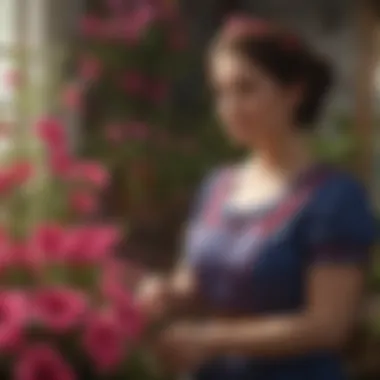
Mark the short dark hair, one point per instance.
(288, 60)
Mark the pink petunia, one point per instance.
(13, 316)
(47, 241)
(90, 68)
(120, 273)
(23, 255)
(59, 309)
(83, 202)
(21, 172)
(6, 181)
(42, 362)
(104, 342)
(89, 244)
(14, 176)
(105, 239)
(72, 96)
(90, 172)
(52, 133)
(5, 248)
(145, 17)
(60, 163)
(128, 315)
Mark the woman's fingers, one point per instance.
(151, 297)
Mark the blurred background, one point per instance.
(127, 79)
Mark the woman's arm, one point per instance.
(162, 295)
(325, 323)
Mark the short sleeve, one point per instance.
(342, 227)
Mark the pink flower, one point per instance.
(91, 26)
(52, 133)
(5, 249)
(90, 244)
(47, 241)
(90, 172)
(117, 277)
(104, 341)
(105, 239)
(134, 82)
(21, 172)
(60, 163)
(128, 315)
(24, 256)
(72, 96)
(83, 202)
(119, 274)
(90, 68)
(60, 309)
(41, 362)
(144, 17)
(14, 176)
(13, 315)
(6, 181)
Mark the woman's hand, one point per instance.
(179, 348)
(152, 297)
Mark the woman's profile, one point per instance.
(276, 246)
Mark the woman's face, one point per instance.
(253, 108)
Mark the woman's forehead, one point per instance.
(225, 63)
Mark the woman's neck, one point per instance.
(286, 156)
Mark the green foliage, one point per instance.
(337, 145)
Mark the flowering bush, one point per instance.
(130, 55)
(65, 309)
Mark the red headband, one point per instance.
(240, 26)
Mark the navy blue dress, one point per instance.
(255, 262)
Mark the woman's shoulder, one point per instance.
(340, 184)
(341, 193)
(340, 214)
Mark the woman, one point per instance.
(276, 245)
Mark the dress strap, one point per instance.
(217, 196)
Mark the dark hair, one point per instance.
(285, 58)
